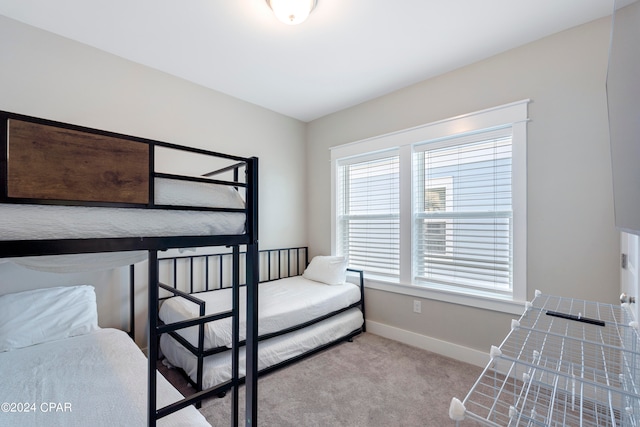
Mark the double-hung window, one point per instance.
(463, 211)
(439, 209)
(369, 213)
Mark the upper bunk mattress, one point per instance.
(97, 379)
(37, 222)
(282, 304)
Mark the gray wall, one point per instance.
(572, 243)
(47, 76)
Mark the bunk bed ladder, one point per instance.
(155, 330)
(252, 276)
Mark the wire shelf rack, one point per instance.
(565, 362)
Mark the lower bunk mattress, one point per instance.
(282, 304)
(271, 352)
(97, 379)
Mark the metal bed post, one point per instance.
(132, 304)
(252, 279)
(200, 346)
(361, 284)
(206, 273)
(220, 271)
(235, 335)
(175, 273)
(191, 276)
(152, 342)
(252, 336)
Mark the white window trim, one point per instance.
(514, 114)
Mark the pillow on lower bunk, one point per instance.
(33, 317)
(331, 270)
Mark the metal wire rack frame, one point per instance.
(565, 362)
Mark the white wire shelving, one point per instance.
(565, 362)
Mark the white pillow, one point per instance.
(33, 317)
(331, 270)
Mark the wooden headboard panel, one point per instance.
(55, 163)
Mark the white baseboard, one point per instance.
(454, 351)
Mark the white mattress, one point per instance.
(99, 379)
(217, 367)
(281, 304)
(26, 222)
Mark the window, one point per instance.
(437, 211)
(462, 234)
(368, 213)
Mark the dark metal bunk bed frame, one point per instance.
(279, 263)
(249, 239)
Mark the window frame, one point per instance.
(514, 115)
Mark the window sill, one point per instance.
(471, 299)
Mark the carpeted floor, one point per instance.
(372, 381)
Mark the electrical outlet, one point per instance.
(417, 306)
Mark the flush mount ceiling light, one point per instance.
(292, 12)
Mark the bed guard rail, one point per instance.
(212, 271)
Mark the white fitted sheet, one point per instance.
(37, 222)
(101, 375)
(217, 367)
(282, 304)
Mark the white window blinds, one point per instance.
(368, 213)
(463, 211)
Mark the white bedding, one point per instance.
(281, 304)
(24, 221)
(98, 379)
(217, 367)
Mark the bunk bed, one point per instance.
(69, 189)
(303, 308)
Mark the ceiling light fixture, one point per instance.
(292, 12)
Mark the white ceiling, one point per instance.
(347, 52)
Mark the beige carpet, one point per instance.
(372, 381)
